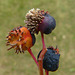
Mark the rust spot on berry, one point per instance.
(20, 39)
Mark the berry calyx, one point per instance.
(20, 39)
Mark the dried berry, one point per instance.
(51, 59)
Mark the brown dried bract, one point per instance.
(33, 19)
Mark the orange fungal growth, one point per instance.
(56, 49)
(20, 39)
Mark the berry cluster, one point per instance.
(22, 38)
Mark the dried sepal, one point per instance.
(33, 18)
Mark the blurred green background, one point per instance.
(12, 14)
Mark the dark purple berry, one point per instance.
(51, 60)
(48, 24)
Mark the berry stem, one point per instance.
(40, 60)
(46, 72)
(30, 52)
(42, 36)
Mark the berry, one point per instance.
(38, 20)
(51, 59)
(20, 39)
(48, 24)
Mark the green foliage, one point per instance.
(12, 14)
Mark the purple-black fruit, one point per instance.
(39, 20)
(51, 59)
(48, 24)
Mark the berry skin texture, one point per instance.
(50, 60)
(48, 24)
(20, 39)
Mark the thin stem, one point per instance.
(42, 55)
(42, 36)
(46, 72)
(30, 52)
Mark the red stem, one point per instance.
(30, 52)
(46, 72)
(43, 40)
(42, 55)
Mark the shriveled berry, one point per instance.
(50, 60)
